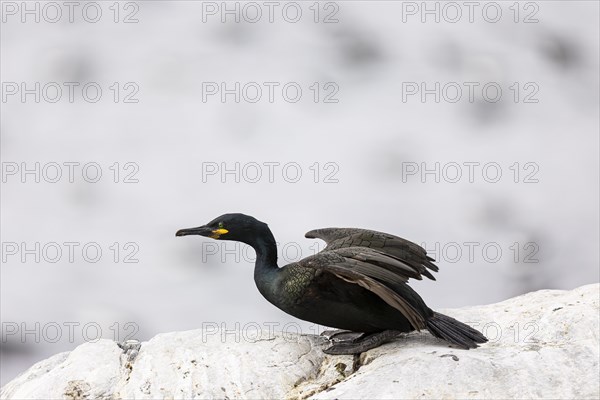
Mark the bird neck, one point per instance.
(265, 268)
(266, 252)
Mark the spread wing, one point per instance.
(412, 257)
(373, 270)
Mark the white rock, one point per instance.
(542, 345)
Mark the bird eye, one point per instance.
(220, 225)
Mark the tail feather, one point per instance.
(455, 332)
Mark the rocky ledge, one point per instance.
(542, 345)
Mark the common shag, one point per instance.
(357, 283)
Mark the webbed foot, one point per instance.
(340, 335)
(362, 343)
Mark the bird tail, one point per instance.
(455, 332)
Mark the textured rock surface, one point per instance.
(542, 345)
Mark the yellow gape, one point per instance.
(218, 232)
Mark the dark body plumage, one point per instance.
(357, 283)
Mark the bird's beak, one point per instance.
(202, 231)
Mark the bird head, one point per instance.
(237, 227)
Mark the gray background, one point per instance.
(369, 134)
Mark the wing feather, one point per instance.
(358, 266)
(411, 258)
(385, 293)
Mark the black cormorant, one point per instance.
(357, 283)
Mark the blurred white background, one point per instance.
(372, 53)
